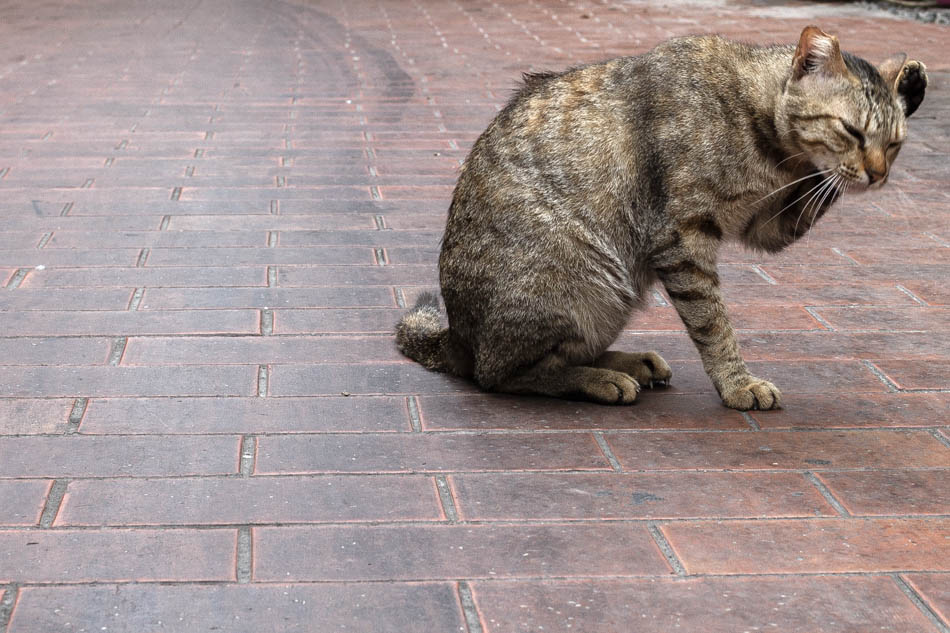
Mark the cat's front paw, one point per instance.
(753, 393)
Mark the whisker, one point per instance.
(821, 202)
(789, 158)
(797, 199)
(806, 177)
(826, 184)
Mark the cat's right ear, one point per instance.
(817, 54)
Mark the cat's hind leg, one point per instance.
(596, 384)
(646, 368)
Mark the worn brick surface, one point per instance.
(714, 605)
(256, 500)
(45, 456)
(778, 449)
(439, 552)
(892, 492)
(212, 214)
(21, 502)
(116, 555)
(400, 608)
(629, 496)
(935, 590)
(815, 545)
(429, 452)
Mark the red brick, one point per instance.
(115, 456)
(133, 608)
(935, 591)
(853, 274)
(66, 299)
(811, 546)
(828, 346)
(260, 350)
(315, 276)
(73, 323)
(326, 297)
(428, 239)
(891, 256)
(789, 376)
(47, 351)
(763, 318)
(933, 291)
(191, 380)
(33, 416)
(341, 221)
(777, 450)
(418, 452)
(117, 555)
(712, 605)
(21, 501)
(894, 319)
(853, 293)
(223, 501)
(892, 491)
(140, 277)
(155, 239)
(72, 258)
(508, 496)
(486, 412)
(857, 410)
(244, 415)
(363, 320)
(453, 551)
(293, 380)
(223, 256)
(917, 374)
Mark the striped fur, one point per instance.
(594, 183)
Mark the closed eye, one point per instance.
(855, 132)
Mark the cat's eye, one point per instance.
(855, 132)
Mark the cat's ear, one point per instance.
(908, 80)
(817, 54)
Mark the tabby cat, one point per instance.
(593, 183)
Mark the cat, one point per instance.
(594, 183)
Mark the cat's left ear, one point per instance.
(908, 80)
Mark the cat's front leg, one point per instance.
(692, 283)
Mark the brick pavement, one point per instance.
(214, 211)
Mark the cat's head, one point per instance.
(844, 114)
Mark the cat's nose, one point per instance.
(874, 175)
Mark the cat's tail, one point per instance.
(420, 335)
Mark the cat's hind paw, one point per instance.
(755, 393)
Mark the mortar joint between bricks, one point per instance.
(940, 437)
(142, 258)
(415, 420)
(6, 604)
(54, 500)
(263, 380)
(45, 239)
(608, 453)
(136, 299)
(247, 458)
(666, 549)
(76, 414)
(919, 602)
(66, 209)
(117, 350)
(891, 386)
(826, 493)
(472, 621)
(446, 499)
(245, 553)
(267, 322)
(17, 278)
(750, 421)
